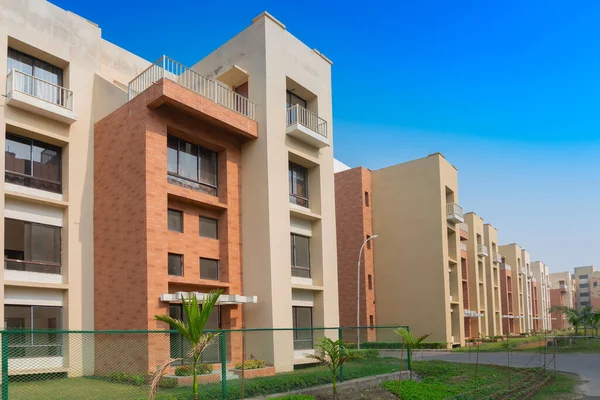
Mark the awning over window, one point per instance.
(224, 299)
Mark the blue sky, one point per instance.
(509, 92)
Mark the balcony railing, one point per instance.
(32, 266)
(463, 246)
(300, 115)
(482, 250)
(24, 83)
(522, 270)
(176, 72)
(497, 258)
(454, 213)
(464, 227)
(507, 267)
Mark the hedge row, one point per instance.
(396, 345)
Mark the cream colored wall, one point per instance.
(91, 66)
(411, 259)
(492, 270)
(478, 283)
(555, 278)
(512, 253)
(527, 310)
(270, 55)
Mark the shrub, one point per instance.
(251, 364)
(168, 383)
(132, 379)
(523, 334)
(363, 354)
(296, 397)
(412, 390)
(187, 370)
(396, 345)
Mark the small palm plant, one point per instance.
(333, 354)
(573, 317)
(192, 329)
(412, 342)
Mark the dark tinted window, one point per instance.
(300, 246)
(175, 220)
(47, 344)
(209, 269)
(209, 228)
(298, 180)
(32, 247)
(302, 318)
(192, 166)
(175, 264)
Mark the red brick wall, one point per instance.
(132, 196)
(354, 223)
(508, 325)
(556, 317)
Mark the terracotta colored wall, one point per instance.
(354, 223)
(505, 291)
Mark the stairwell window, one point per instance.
(303, 335)
(25, 317)
(298, 177)
(32, 247)
(175, 264)
(300, 246)
(191, 166)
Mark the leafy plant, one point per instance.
(363, 354)
(168, 383)
(412, 342)
(251, 364)
(192, 330)
(186, 370)
(132, 379)
(333, 354)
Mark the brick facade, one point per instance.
(506, 298)
(354, 223)
(132, 196)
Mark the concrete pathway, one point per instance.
(587, 366)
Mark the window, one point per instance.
(595, 284)
(368, 242)
(584, 295)
(175, 264)
(209, 228)
(298, 184)
(175, 220)
(25, 345)
(292, 100)
(561, 282)
(302, 319)
(32, 163)
(38, 69)
(370, 279)
(180, 347)
(585, 303)
(366, 199)
(583, 276)
(584, 285)
(300, 246)
(32, 247)
(191, 166)
(209, 269)
(371, 322)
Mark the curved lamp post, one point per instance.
(358, 292)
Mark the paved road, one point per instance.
(587, 366)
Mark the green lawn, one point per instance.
(442, 379)
(577, 346)
(98, 389)
(501, 345)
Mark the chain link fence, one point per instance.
(65, 365)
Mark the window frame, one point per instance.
(34, 143)
(182, 264)
(370, 281)
(216, 220)
(368, 241)
(218, 268)
(24, 262)
(295, 328)
(180, 212)
(60, 80)
(58, 338)
(295, 198)
(367, 201)
(299, 100)
(208, 187)
(294, 256)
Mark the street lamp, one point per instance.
(358, 292)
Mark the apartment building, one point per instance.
(513, 257)
(477, 252)
(235, 149)
(562, 294)
(509, 326)
(540, 274)
(587, 291)
(354, 226)
(58, 77)
(469, 314)
(492, 270)
(526, 289)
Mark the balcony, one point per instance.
(497, 258)
(530, 274)
(40, 97)
(464, 231)
(169, 82)
(522, 270)
(306, 126)
(463, 246)
(482, 250)
(454, 213)
(507, 267)
(562, 287)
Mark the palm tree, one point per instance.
(595, 321)
(412, 342)
(573, 317)
(192, 329)
(333, 355)
(586, 314)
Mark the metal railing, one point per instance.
(464, 227)
(299, 115)
(522, 270)
(507, 267)
(167, 68)
(463, 246)
(453, 208)
(497, 258)
(482, 250)
(24, 83)
(32, 266)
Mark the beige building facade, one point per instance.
(540, 273)
(513, 257)
(417, 273)
(492, 271)
(477, 254)
(562, 288)
(527, 291)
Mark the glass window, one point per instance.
(595, 284)
(180, 347)
(175, 264)
(33, 164)
(371, 323)
(209, 269)
(39, 69)
(300, 246)
(366, 199)
(32, 247)
(175, 220)
(583, 276)
(368, 242)
(303, 335)
(298, 177)
(209, 228)
(192, 166)
(584, 285)
(292, 100)
(370, 282)
(29, 345)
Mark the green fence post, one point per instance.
(4, 366)
(341, 366)
(409, 355)
(223, 366)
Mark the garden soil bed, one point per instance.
(255, 373)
